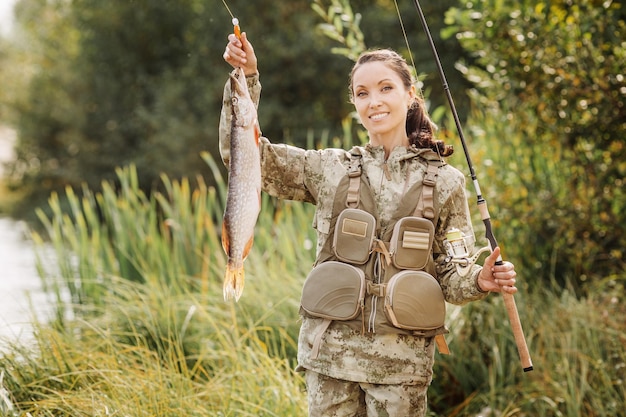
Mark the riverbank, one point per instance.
(8, 137)
(7, 142)
(22, 299)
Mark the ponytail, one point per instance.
(421, 130)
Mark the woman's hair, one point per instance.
(419, 128)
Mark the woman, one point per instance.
(369, 365)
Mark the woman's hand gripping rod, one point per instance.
(509, 300)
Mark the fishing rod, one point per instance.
(509, 300)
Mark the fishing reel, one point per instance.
(458, 248)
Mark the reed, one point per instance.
(109, 371)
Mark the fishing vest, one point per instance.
(374, 280)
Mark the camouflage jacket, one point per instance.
(311, 176)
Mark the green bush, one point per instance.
(550, 120)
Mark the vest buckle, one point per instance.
(376, 289)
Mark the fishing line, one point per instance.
(417, 81)
(228, 9)
(408, 47)
(235, 21)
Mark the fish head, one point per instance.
(243, 108)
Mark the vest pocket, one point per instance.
(334, 291)
(353, 237)
(411, 243)
(414, 301)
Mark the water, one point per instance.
(21, 296)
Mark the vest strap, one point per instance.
(426, 204)
(320, 330)
(382, 248)
(354, 173)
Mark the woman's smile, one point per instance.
(379, 116)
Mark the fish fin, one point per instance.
(257, 132)
(233, 282)
(225, 239)
(248, 247)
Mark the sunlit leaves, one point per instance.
(342, 25)
(553, 73)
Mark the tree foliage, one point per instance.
(140, 82)
(550, 84)
(119, 82)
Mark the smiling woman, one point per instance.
(381, 100)
(357, 350)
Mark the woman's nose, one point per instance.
(374, 100)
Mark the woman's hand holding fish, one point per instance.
(240, 54)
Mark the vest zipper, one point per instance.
(371, 324)
(372, 320)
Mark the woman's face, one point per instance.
(381, 100)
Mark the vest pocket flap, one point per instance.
(353, 237)
(414, 301)
(415, 240)
(411, 242)
(334, 290)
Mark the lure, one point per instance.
(236, 28)
(235, 21)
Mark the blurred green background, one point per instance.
(115, 108)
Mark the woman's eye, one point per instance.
(361, 94)
(387, 88)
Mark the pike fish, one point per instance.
(243, 203)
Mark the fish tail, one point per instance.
(233, 282)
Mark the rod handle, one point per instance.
(518, 333)
(509, 300)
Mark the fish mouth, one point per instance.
(238, 81)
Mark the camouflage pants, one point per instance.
(329, 397)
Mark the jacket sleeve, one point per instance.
(455, 212)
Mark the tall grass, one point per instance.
(144, 277)
(142, 329)
(100, 368)
(578, 348)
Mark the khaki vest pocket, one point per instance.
(411, 243)
(353, 237)
(334, 290)
(414, 301)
